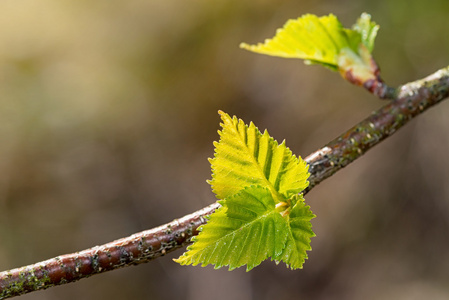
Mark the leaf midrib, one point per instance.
(276, 195)
(246, 225)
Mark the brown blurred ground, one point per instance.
(108, 111)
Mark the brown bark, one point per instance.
(410, 100)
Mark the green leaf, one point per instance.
(262, 213)
(317, 40)
(299, 235)
(324, 41)
(244, 156)
(245, 230)
(367, 30)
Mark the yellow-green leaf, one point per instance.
(245, 231)
(324, 41)
(244, 156)
(298, 236)
(315, 39)
(367, 30)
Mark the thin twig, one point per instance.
(411, 100)
(135, 249)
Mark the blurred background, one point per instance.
(108, 111)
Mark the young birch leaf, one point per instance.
(245, 230)
(244, 156)
(262, 213)
(317, 40)
(367, 30)
(324, 41)
(299, 235)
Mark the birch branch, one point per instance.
(409, 101)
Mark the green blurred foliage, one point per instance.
(108, 111)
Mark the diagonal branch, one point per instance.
(412, 99)
(135, 249)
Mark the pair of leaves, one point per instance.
(324, 41)
(262, 213)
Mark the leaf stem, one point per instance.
(409, 101)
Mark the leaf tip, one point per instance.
(225, 117)
(244, 46)
(181, 260)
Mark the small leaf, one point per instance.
(244, 156)
(367, 29)
(317, 40)
(324, 41)
(245, 230)
(299, 235)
